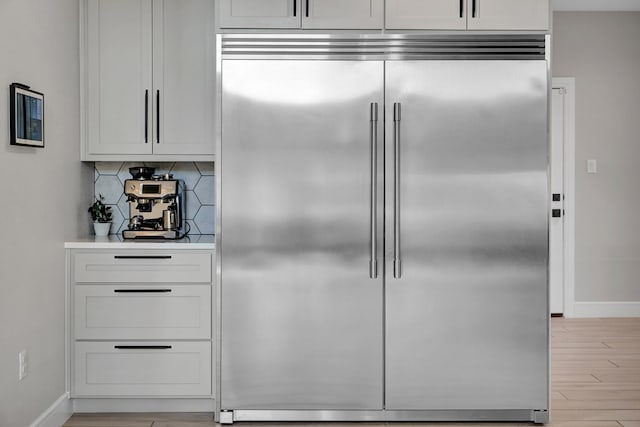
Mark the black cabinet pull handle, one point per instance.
(295, 7)
(142, 347)
(158, 117)
(461, 7)
(307, 11)
(473, 9)
(142, 256)
(146, 116)
(137, 291)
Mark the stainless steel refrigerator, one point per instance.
(382, 228)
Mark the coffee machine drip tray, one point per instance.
(151, 234)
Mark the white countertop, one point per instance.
(195, 241)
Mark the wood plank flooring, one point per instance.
(595, 375)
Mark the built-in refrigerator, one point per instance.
(382, 228)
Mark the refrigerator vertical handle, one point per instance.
(397, 263)
(373, 138)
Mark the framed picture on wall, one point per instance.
(27, 116)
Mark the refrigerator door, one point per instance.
(301, 320)
(466, 285)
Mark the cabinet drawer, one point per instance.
(142, 312)
(142, 369)
(141, 266)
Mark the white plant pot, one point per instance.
(101, 228)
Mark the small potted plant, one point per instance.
(101, 216)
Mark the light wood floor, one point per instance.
(595, 373)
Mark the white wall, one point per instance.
(44, 194)
(602, 51)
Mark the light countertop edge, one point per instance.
(196, 241)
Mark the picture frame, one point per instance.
(27, 116)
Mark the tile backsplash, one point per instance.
(200, 194)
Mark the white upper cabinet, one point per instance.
(149, 80)
(184, 77)
(509, 15)
(499, 15)
(358, 14)
(118, 76)
(429, 14)
(259, 13)
(311, 14)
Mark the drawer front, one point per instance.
(117, 369)
(142, 312)
(142, 266)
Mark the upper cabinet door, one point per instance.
(508, 15)
(183, 77)
(119, 73)
(260, 13)
(467, 14)
(148, 80)
(330, 14)
(426, 14)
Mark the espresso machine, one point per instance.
(156, 205)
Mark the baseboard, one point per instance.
(606, 309)
(57, 414)
(143, 405)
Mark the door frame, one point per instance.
(568, 85)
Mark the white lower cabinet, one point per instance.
(142, 267)
(149, 311)
(141, 323)
(142, 368)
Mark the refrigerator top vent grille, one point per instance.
(390, 47)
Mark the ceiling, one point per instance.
(596, 4)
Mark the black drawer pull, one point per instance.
(142, 256)
(142, 347)
(134, 291)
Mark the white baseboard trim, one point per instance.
(606, 309)
(143, 405)
(57, 414)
